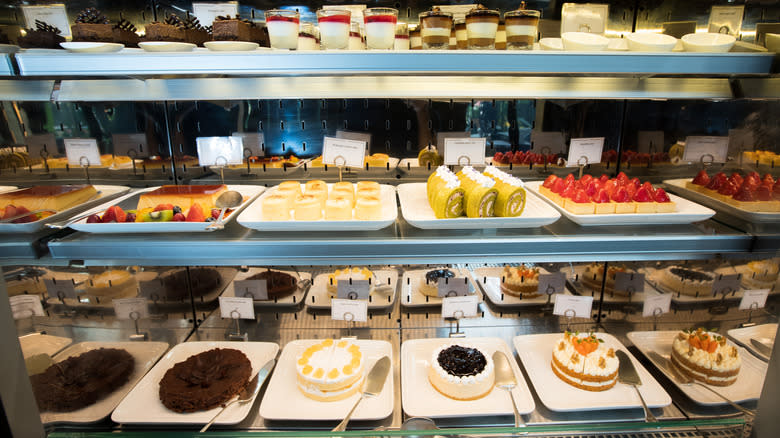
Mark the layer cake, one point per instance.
(584, 362)
(56, 198)
(330, 370)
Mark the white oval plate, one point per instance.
(84, 47)
(166, 46)
(231, 46)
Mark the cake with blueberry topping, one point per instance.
(461, 372)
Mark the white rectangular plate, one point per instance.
(143, 405)
(410, 291)
(489, 279)
(679, 186)
(4, 189)
(636, 297)
(652, 277)
(762, 333)
(38, 343)
(421, 399)
(129, 202)
(535, 353)
(319, 298)
(253, 216)
(145, 354)
(284, 401)
(418, 212)
(106, 192)
(687, 212)
(750, 379)
(293, 299)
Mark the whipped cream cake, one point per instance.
(706, 357)
(687, 281)
(331, 370)
(461, 372)
(584, 362)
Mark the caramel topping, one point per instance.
(719, 359)
(611, 352)
(602, 362)
(733, 352)
(575, 358)
(561, 346)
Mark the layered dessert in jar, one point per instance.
(401, 37)
(415, 39)
(461, 35)
(435, 28)
(308, 37)
(521, 28)
(481, 28)
(356, 41)
(283, 28)
(380, 27)
(334, 28)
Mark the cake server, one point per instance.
(761, 347)
(229, 199)
(627, 375)
(505, 379)
(374, 383)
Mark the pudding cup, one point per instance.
(435, 29)
(380, 27)
(461, 35)
(282, 27)
(521, 29)
(401, 37)
(481, 28)
(334, 28)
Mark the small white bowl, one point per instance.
(650, 42)
(708, 42)
(554, 44)
(584, 42)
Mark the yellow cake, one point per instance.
(276, 207)
(338, 209)
(308, 208)
(183, 196)
(368, 208)
(57, 198)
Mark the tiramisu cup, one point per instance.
(401, 37)
(334, 28)
(435, 28)
(481, 27)
(355, 37)
(380, 27)
(521, 28)
(461, 35)
(308, 37)
(415, 40)
(282, 27)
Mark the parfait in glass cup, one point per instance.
(401, 37)
(334, 28)
(521, 28)
(356, 37)
(481, 27)
(308, 37)
(435, 28)
(282, 27)
(461, 36)
(380, 27)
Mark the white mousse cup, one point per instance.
(380, 27)
(282, 27)
(334, 28)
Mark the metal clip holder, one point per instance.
(456, 319)
(138, 336)
(236, 334)
(84, 163)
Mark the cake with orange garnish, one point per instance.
(706, 357)
(584, 362)
(331, 370)
(520, 281)
(593, 277)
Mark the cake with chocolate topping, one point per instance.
(167, 30)
(194, 33)
(461, 372)
(204, 281)
(92, 26)
(44, 36)
(124, 33)
(278, 284)
(226, 28)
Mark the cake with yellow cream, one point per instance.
(57, 198)
(349, 274)
(706, 357)
(111, 284)
(331, 370)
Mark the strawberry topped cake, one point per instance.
(706, 357)
(751, 192)
(584, 362)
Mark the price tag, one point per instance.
(566, 304)
(41, 142)
(725, 284)
(349, 310)
(551, 283)
(648, 141)
(131, 308)
(207, 12)
(441, 137)
(343, 152)
(630, 282)
(726, 19)
(60, 289)
(464, 151)
(253, 141)
(125, 143)
(589, 148)
(352, 290)
(740, 140)
(152, 289)
(26, 306)
(552, 140)
(220, 151)
(697, 147)
(753, 299)
(453, 287)
(54, 14)
(459, 307)
(82, 148)
(256, 289)
(357, 136)
(236, 308)
(656, 305)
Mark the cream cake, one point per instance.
(57, 198)
(461, 372)
(347, 274)
(331, 370)
(584, 362)
(706, 357)
(520, 281)
(759, 274)
(593, 277)
(114, 283)
(429, 285)
(183, 196)
(686, 281)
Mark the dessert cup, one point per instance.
(461, 35)
(435, 28)
(308, 37)
(334, 28)
(401, 37)
(282, 27)
(415, 40)
(355, 37)
(481, 28)
(380, 27)
(521, 29)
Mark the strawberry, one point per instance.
(498, 157)
(569, 191)
(179, 217)
(593, 187)
(636, 182)
(604, 178)
(569, 179)
(631, 189)
(717, 181)
(661, 196)
(162, 207)
(586, 179)
(549, 181)
(649, 188)
(10, 211)
(744, 194)
(728, 189)
(763, 193)
(114, 214)
(602, 197)
(581, 197)
(621, 179)
(643, 195)
(93, 219)
(196, 214)
(558, 186)
(610, 186)
(621, 195)
(754, 174)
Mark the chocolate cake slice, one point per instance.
(193, 32)
(168, 30)
(124, 33)
(44, 36)
(92, 26)
(231, 29)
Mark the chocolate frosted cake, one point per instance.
(168, 30)
(44, 36)
(204, 280)
(231, 29)
(124, 33)
(92, 26)
(278, 284)
(193, 32)
(205, 381)
(82, 380)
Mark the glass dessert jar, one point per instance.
(521, 28)
(401, 37)
(481, 27)
(435, 28)
(355, 37)
(415, 41)
(380, 27)
(334, 28)
(461, 36)
(282, 27)
(308, 37)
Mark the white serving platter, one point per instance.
(535, 353)
(687, 212)
(380, 297)
(231, 46)
(679, 185)
(252, 217)
(417, 211)
(764, 333)
(284, 401)
(489, 280)
(87, 47)
(609, 297)
(130, 201)
(420, 399)
(4, 189)
(39, 343)
(166, 46)
(411, 296)
(652, 277)
(293, 299)
(750, 379)
(143, 405)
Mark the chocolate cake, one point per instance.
(278, 284)
(80, 381)
(44, 36)
(204, 280)
(92, 26)
(226, 28)
(193, 32)
(124, 33)
(168, 30)
(205, 381)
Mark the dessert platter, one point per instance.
(448, 378)
(65, 201)
(89, 379)
(382, 287)
(764, 333)
(513, 286)
(578, 372)
(689, 284)
(616, 201)
(706, 357)
(322, 379)
(165, 209)
(189, 384)
(319, 206)
(587, 280)
(420, 287)
(284, 288)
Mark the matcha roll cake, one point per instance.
(448, 200)
(510, 201)
(437, 179)
(429, 156)
(480, 193)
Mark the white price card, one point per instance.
(701, 148)
(349, 310)
(350, 289)
(130, 145)
(26, 306)
(542, 141)
(753, 299)
(650, 142)
(566, 304)
(254, 142)
(464, 151)
(459, 307)
(343, 152)
(152, 289)
(256, 289)
(39, 145)
(551, 283)
(220, 151)
(453, 287)
(726, 284)
(585, 151)
(131, 308)
(82, 151)
(236, 308)
(60, 289)
(441, 138)
(656, 305)
(630, 282)
(207, 12)
(358, 136)
(726, 19)
(54, 14)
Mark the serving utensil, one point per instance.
(505, 379)
(374, 383)
(627, 375)
(761, 347)
(66, 223)
(248, 393)
(18, 216)
(228, 199)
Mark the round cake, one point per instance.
(278, 284)
(330, 370)
(521, 281)
(584, 362)
(205, 380)
(347, 274)
(461, 372)
(429, 286)
(759, 274)
(204, 281)
(706, 357)
(593, 277)
(80, 381)
(686, 281)
(111, 284)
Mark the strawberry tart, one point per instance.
(751, 192)
(706, 357)
(584, 362)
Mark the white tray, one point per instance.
(293, 299)
(582, 289)
(421, 399)
(410, 292)
(535, 353)
(678, 185)
(762, 333)
(489, 280)
(687, 212)
(253, 216)
(284, 401)
(4, 189)
(750, 379)
(319, 298)
(145, 354)
(38, 343)
(143, 405)
(130, 202)
(106, 192)
(418, 212)
(651, 277)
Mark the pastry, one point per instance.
(330, 370)
(169, 29)
(57, 198)
(194, 33)
(686, 281)
(276, 207)
(479, 193)
(510, 201)
(123, 32)
(92, 26)
(308, 208)
(593, 277)
(111, 284)
(706, 357)
(226, 28)
(293, 186)
(373, 185)
(44, 36)
(759, 274)
(338, 209)
(445, 194)
(205, 380)
(429, 157)
(584, 362)
(461, 372)
(316, 185)
(347, 274)
(429, 286)
(277, 284)
(751, 192)
(521, 281)
(376, 160)
(368, 208)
